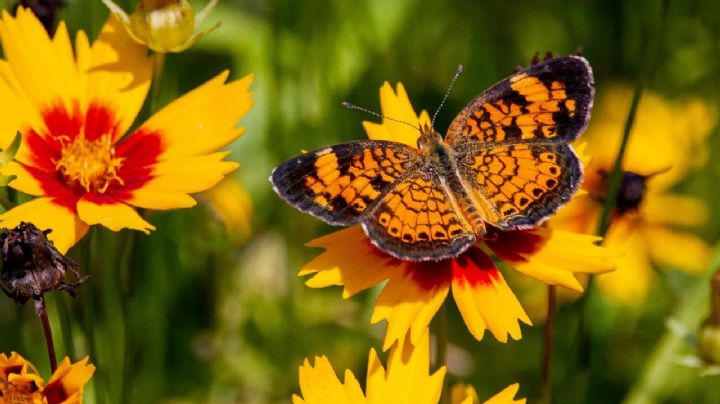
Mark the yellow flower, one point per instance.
(163, 25)
(20, 383)
(406, 380)
(75, 155)
(415, 290)
(668, 138)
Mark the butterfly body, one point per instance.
(505, 162)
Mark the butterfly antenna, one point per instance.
(351, 106)
(447, 93)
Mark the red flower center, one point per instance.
(90, 165)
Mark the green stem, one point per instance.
(441, 349)
(546, 394)
(5, 201)
(158, 67)
(653, 43)
(47, 331)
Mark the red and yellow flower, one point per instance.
(415, 290)
(406, 380)
(666, 142)
(20, 383)
(74, 111)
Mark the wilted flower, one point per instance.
(31, 265)
(164, 25)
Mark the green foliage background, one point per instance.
(184, 315)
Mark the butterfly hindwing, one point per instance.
(339, 183)
(522, 184)
(418, 220)
(550, 101)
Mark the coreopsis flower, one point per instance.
(164, 25)
(76, 155)
(666, 141)
(47, 11)
(406, 380)
(415, 290)
(20, 382)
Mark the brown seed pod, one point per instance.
(31, 265)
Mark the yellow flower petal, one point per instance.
(553, 256)
(413, 294)
(45, 69)
(181, 176)
(674, 210)
(233, 206)
(202, 120)
(463, 394)
(349, 260)
(66, 227)
(68, 381)
(507, 396)
(629, 283)
(115, 65)
(407, 378)
(113, 215)
(484, 299)
(24, 181)
(319, 384)
(396, 105)
(678, 249)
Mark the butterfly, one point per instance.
(505, 161)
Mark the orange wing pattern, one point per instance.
(523, 184)
(549, 101)
(339, 183)
(418, 219)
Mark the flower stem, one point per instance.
(158, 66)
(42, 313)
(441, 349)
(546, 395)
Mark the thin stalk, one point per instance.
(6, 202)
(653, 43)
(158, 67)
(548, 344)
(42, 313)
(441, 350)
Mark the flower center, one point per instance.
(89, 164)
(631, 193)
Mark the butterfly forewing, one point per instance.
(547, 102)
(339, 183)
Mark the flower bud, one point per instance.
(709, 335)
(163, 25)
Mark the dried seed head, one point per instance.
(31, 265)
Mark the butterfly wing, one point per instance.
(547, 102)
(418, 219)
(520, 184)
(338, 184)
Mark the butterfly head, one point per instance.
(429, 139)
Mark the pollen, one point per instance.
(89, 165)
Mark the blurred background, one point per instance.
(209, 307)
